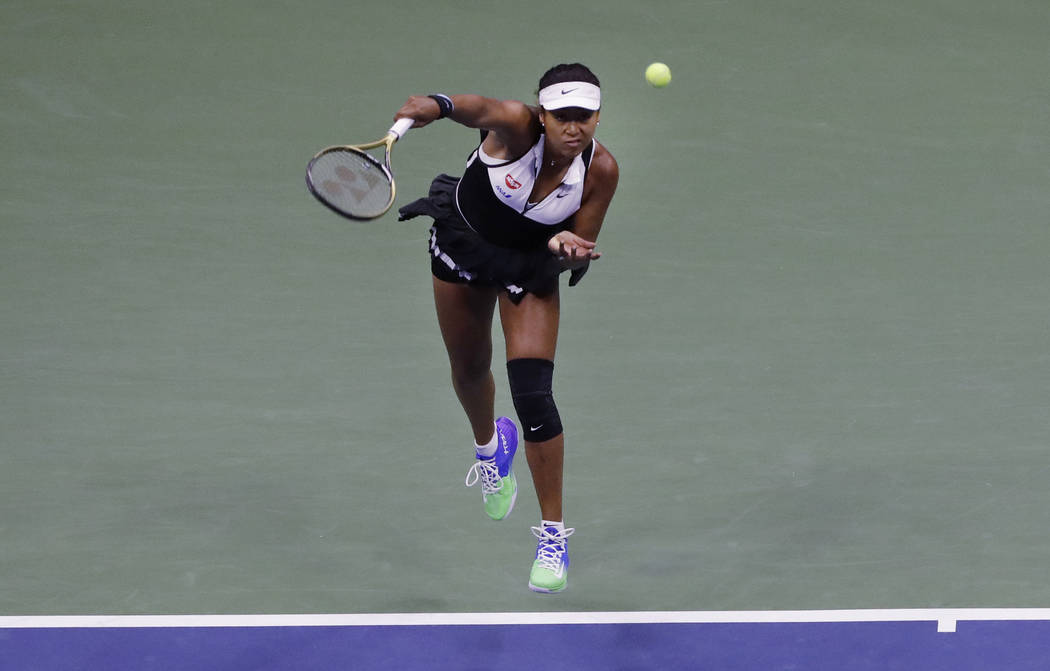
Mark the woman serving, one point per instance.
(529, 205)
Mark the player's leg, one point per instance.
(464, 315)
(465, 319)
(531, 332)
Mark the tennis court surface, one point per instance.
(809, 375)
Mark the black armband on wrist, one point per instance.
(445, 103)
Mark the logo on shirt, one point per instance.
(511, 182)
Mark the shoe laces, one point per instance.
(552, 546)
(486, 471)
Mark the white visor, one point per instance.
(571, 94)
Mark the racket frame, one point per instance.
(395, 133)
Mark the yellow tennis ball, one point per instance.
(658, 75)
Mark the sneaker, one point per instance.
(499, 487)
(550, 570)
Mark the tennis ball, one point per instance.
(658, 75)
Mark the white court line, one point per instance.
(946, 618)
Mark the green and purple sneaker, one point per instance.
(550, 570)
(499, 486)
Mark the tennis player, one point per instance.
(529, 206)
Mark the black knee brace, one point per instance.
(530, 388)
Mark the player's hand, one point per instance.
(572, 250)
(421, 109)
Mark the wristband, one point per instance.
(445, 103)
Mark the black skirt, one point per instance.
(459, 254)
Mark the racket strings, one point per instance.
(352, 182)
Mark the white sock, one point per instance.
(560, 525)
(488, 449)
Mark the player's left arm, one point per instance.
(576, 247)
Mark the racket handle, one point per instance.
(401, 127)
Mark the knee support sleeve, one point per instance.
(530, 388)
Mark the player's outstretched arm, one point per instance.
(514, 123)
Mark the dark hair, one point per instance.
(568, 72)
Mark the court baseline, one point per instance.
(936, 639)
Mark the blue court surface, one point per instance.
(931, 640)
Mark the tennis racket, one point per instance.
(352, 182)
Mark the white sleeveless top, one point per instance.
(512, 183)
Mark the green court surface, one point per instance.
(810, 372)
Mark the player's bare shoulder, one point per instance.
(516, 129)
(604, 171)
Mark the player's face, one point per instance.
(569, 130)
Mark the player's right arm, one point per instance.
(515, 124)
